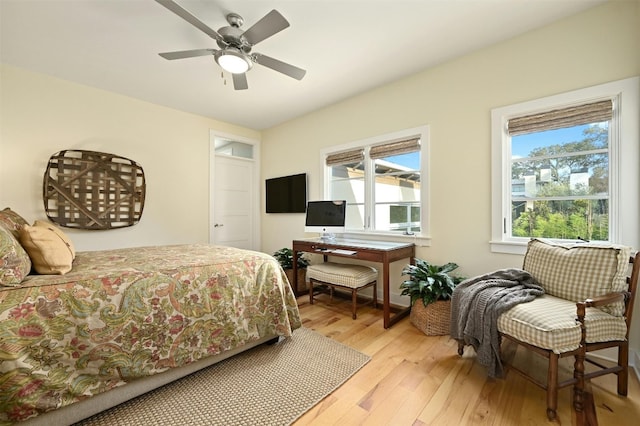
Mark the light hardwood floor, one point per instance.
(413, 379)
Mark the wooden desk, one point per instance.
(373, 251)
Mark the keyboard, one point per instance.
(347, 252)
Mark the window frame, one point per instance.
(422, 132)
(624, 172)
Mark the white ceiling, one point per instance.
(346, 46)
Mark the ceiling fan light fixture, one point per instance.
(233, 60)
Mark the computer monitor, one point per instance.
(326, 218)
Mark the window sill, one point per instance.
(417, 239)
(509, 247)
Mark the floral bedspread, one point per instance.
(124, 314)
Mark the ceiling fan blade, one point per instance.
(182, 54)
(279, 66)
(270, 24)
(187, 16)
(240, 81)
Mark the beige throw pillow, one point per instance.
(49, 250)
(59, 233)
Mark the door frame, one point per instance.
(255, 203)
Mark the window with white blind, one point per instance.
(559, 167)
(383, 181)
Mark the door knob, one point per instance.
(218, 225)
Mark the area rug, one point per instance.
(267, 385)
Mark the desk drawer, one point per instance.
(308, 247)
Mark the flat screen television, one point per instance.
(286, 194)
(326, 218)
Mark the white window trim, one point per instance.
(624, 164)
(423, 238)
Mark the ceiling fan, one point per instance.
(234, 55)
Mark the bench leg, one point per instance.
(354, 302)
(375, 294)
(311, 292)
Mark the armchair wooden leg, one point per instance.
(623, 375)
(552, 386)
(578, 365)
(311, 292)
(578, 388)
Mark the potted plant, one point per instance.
(430, 288)
(284, 256)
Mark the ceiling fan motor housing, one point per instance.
(232, 35)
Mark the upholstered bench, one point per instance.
(346, 276)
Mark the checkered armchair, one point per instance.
(587, 306)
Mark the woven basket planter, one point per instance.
(302, 275)
(433, 319)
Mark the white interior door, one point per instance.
(234, 194)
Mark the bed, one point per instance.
(122, 322)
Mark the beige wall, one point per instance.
(455, 100)
(41, 115)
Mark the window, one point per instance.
(383, 181)
(233, 148)
(559, 167)
(560, 173)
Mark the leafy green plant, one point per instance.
(429, 282)
(285, 257)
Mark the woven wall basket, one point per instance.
(433, 319)
(93, 190)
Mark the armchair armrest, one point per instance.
(605, 299)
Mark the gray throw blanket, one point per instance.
(476, 305)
